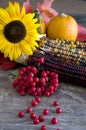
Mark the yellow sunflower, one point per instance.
(18, 31)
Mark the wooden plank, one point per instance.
(72, 100)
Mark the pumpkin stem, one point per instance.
(64, 15)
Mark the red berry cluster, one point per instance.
(36, 81)
(41, 118)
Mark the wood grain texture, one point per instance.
(72, 98)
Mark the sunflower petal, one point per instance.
(32, 36)
(22, 12)
(15, 55)
(26, 48)
(1, 37)
(17, 8)
(7, 50)
(34, 45)
(4, 16)
(12, 10)
(17, 52)
(1, 27)
(3, 45)
(28, 17)
(11, 55)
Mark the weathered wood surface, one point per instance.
(72, 99)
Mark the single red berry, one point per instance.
(29, 91)
(23, 69)
(36, 79)
(33, 89)
(33, 84)
(55, 89)
(32, 115)
(15, 83)
(21, 72)
(22, 93)
(41, 60)
(29, 109)
(42, 81)
(18, 89)
(23, 88)
(43, 127)
(45, 112)
(55, 103)
(31, 74)
(58, 110)
(38, 99)
(34, 93)
(38, 89)
(53, 75)
(47, 72)
(36, 121)
(26, 83)
(34, 69)
(56, 85)
(21, 82)
(54, 120)
(51, 87)
(51, 92)
(34, 103)
(46, 79)
(39, 93)
(30, 79)
(58, 129)
(47, 93)
(53, 81)
(21, 114)
(42, 88)
(19, 78)
(43, 74)
(28, 67)
(41, 118)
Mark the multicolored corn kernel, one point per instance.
(71, 51)
(66, 58)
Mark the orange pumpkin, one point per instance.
(63, 26)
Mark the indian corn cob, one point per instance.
(66, 58)
(70, 51)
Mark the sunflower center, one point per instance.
(15, 31)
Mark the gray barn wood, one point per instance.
(72, 100)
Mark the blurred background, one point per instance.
(66, 6)
(76, 8)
